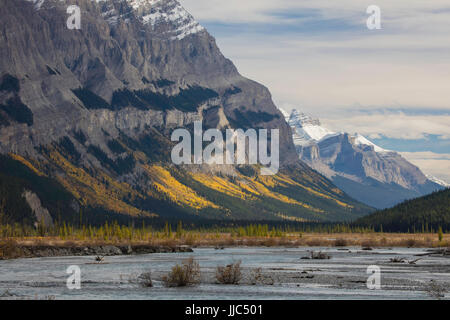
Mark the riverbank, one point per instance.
(55, 246)
(13, 250)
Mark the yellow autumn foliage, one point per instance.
(177, 192)
(263, 190)
(284, 181)
(246, 188)
(225, 186)
(99, 191)
(26, 163)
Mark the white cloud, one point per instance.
(405, 63)
(426, 155)
(397, 126)
(262, 10)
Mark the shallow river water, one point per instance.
(285, 275)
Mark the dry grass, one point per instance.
(186, 274)
(145, 279)
(369, 240)
(257, 277)
(370, 243)
(340, 243)
(196, 239)
(230, 274)
(317, 243)
(10, 249)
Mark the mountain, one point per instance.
(421, 214)
(375, 176)
(438, 181)
(86, 117)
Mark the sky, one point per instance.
(318, 56)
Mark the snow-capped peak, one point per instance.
(136, 4)
(438, 181)
(306, 129)
(302, 120)
(167, 18)
(361, 140)
(170, 13)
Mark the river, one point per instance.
(285, 275)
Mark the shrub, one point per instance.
(231, 274)
(411, 243)
(186, 274)
(440, 234)
(319, 255)
(257, 277)
(436, 290)
(271, 242)
(9, 249)
(340, 243)
(369, 243)
(145, 279)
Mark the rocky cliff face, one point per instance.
(93, 108)
(378, 177)
(122, 45)
(42, 215)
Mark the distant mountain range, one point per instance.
(417, 215)
(375, 176)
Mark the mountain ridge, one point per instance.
(93, 111)
(378, 177)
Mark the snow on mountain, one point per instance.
(438, 181)
(361, 140)
(136, 4)
(166, 17)
(307, 129)
(380, 179)
(172, 13)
